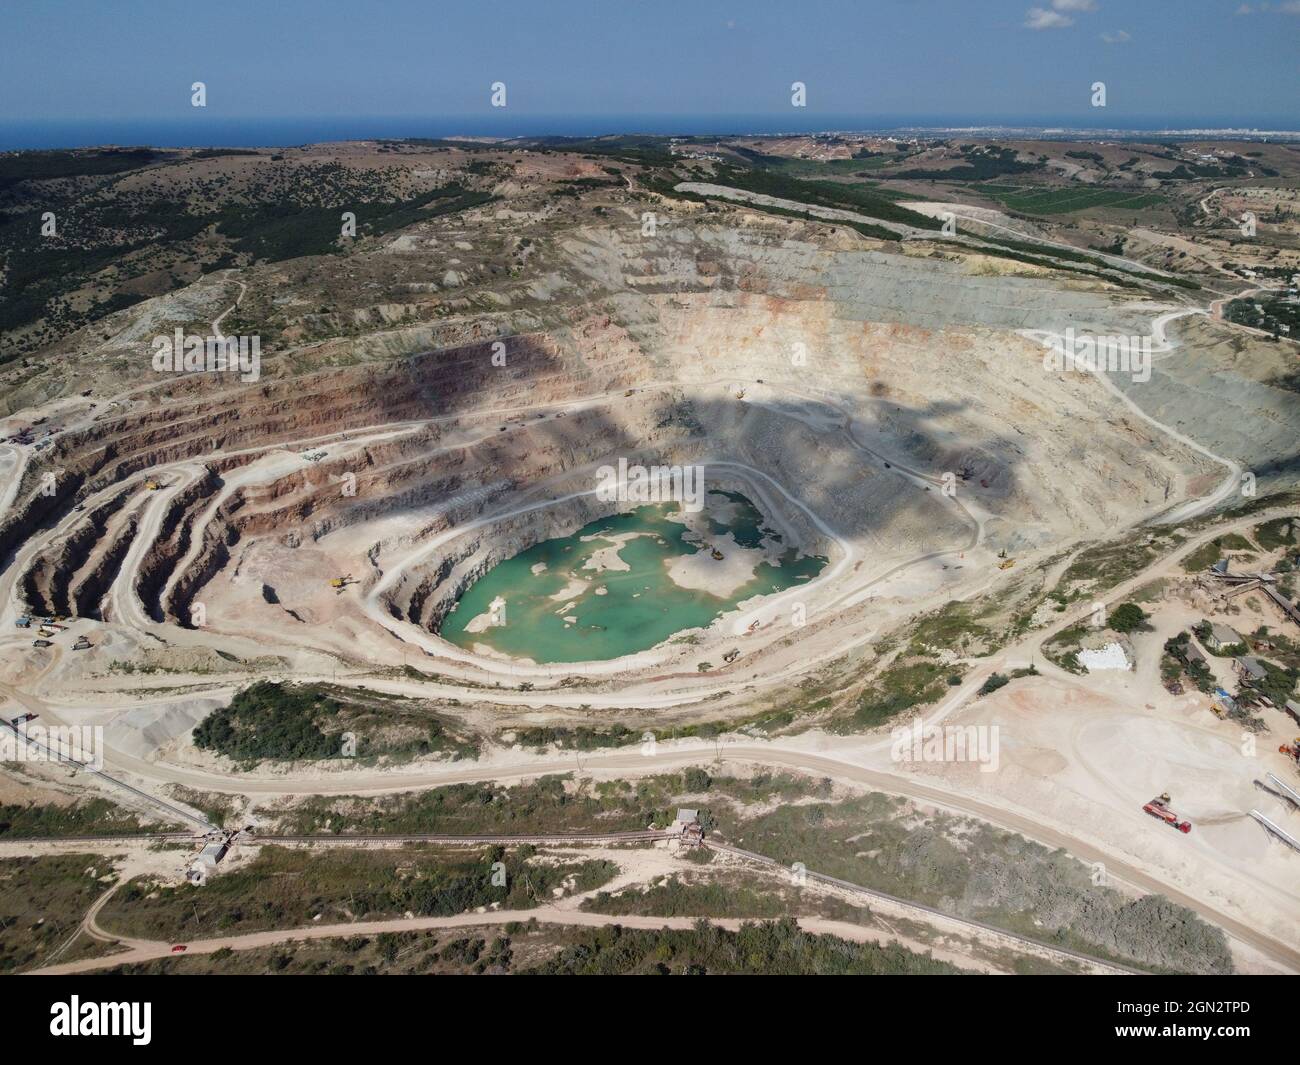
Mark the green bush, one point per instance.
(995, 681)
(269, 720)
(1127, 617)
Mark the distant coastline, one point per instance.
(203, 131)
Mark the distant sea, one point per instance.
(204, 129)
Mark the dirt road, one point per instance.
(564, 915)
(143, 951)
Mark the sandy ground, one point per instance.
(607, 559)
(575, 587)
(490, 618)
(1087, 760)
(721, 577)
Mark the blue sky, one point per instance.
(1163, 61)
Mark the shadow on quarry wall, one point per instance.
(862, 496)
(867, 497)
(429, 386)
(197, 419)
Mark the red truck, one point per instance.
(1159, 809)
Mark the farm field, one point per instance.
(1034, 200)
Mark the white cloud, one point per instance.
(1054, 18)
(1245, 9)
(1038, 18)
(1118, 37)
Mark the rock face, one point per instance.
(837, 382)
(1231, 394)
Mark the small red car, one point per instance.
(180, 948)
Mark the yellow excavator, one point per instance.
(339, 583)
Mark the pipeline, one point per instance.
(1273, 830)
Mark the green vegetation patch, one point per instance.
(1175, 663)
(112, 238)
(42, 902)
(1110, 562)
(855, 166)
(307, 722)
(1211, 552)
(551, 804)
(284, 888)
(476, 952)
(1031, 199)
(974, 870)
(16, 167)
(1078, 255)
(532, 947)
(643, 149)
(1278, 684)
(995, 681)
(576, 738)
(1280, 532)
(845, 197)
(89, 817)
(954, 627)
(901, 686)
(779, 947)
(981, 163)
(278, 231)
(866, 229)
(1127, 617)
(1062, 650)
(587, 738)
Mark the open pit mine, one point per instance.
(873, 497)
(881, 411)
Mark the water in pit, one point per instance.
(625, 583)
